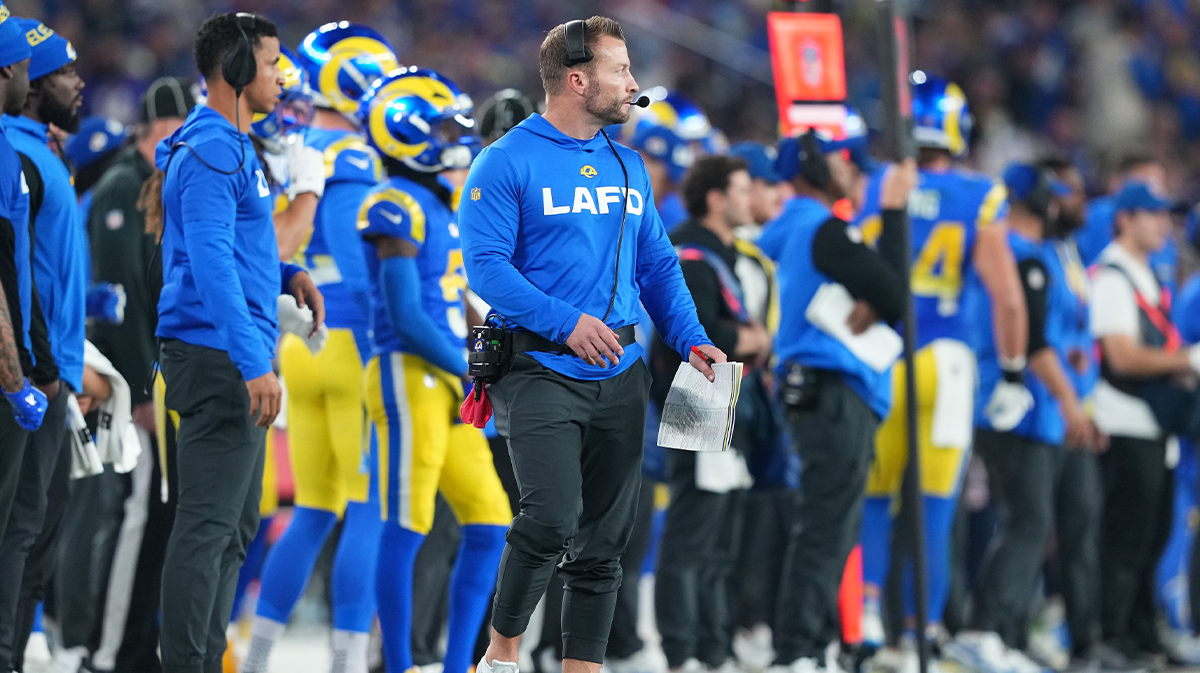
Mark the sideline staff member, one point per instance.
(544, 229)
(16, 286)
(218, 329)
(833, 399)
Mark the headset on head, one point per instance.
(239, 67)
(577, 49)
(1040, 197)
(814, 167)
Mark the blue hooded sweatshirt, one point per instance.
(221, 268)
(60, 253)
(540, 219)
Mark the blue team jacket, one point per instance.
(59, 251)
(540, 219)
(221, 268)
(788, 241)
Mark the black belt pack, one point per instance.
(799, 387)
(492, 349)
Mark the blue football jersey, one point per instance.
(403, 209)
(946, 211)
(334, 248)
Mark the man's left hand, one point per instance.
(703, 367)
(861, 317)
(306, 293)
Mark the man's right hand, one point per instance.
(1080, 429)
(144, 417)
(266, 396)
(754, 342)
(593, 341)
(29, 405)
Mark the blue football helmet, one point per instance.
(294, 108)
(342, 60)
(422, 119)
(676, 112)
(665, 145)
(941, 118)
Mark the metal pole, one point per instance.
(897, 109)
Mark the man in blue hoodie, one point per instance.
(59, 266)
(218, 325)
(561, 237)
(28, 404)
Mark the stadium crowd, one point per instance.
(1056, 324)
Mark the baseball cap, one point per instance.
(97, 137)
(1022, 179)
(49, 51)
(1138, 196)
(759, 158)
(167, 97)
(14, 47)
(787, 160)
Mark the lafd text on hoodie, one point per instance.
(540, 221)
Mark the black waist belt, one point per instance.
(528, 341)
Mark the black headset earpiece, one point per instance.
(1040, 197)
(239, 67)
(814, 168)
(577, 49)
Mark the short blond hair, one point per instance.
(554, 50)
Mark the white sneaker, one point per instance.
(730, 666)
(69, 660)
(1021, 663)
(872, 624)
(436, 667)
(1181, 647)
(901, 659)
(983, 652)
(37, 650)
(753, 648)
(690, 666)
(496, 667)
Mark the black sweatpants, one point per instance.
(836, 440)
(219, 455)
(767, 521)
(695, 564)
(576, 449)
(31, 514)
(90, 529)
(1077, 507)
(431, 584)
(1135, 526)
(1022, 475)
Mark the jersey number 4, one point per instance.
(937, 268)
